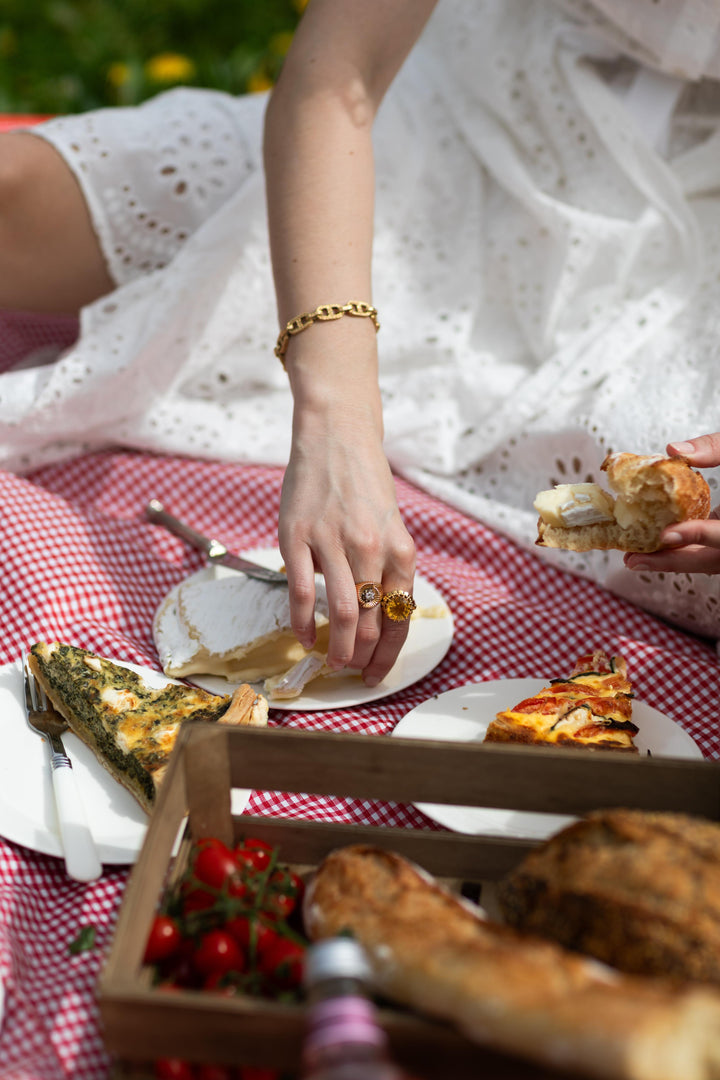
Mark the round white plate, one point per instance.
(427, 642)
(27, 807)
(463, 715)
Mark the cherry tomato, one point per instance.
(283, 962)
(254, 853)
(283, 894)
(216, 983)
(218, 951)
(173, 1069)
(257, 1072)
(280, 904)
(163, 940)
(194, 899)
(298, 885)
(248, 929)
(214, 1072)
(214, 864)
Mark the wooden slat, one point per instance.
(469, 858)
(207, 777)
(472, 774)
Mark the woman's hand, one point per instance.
(338, 512)
(691, 547)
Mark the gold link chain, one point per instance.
(323, 313)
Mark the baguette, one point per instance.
(514, 993)
(652, 492)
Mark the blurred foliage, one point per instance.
(65, 56)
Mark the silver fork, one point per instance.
(81, 857)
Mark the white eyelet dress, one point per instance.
(546, 269)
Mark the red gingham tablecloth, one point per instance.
(81, 563)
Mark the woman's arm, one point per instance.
(692, 547)
(338, 511)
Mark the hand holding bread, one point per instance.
(651, 492)
(690, 546)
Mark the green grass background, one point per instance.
(64, 56)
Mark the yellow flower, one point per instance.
(169, 67)
(258, 81)
(280, 43)
(8, 41)
(118, 74)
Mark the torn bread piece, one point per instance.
(651, 492)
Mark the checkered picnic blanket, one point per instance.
(80, 562)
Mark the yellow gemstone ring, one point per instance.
(398, 605)
(369, 594)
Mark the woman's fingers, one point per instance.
(399, 575)
(704, 451)
(301, 588)
(693, 547)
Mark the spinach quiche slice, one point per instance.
(130, 726)
(591, 707)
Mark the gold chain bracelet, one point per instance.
(323, 313)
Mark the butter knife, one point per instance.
(215, 551)
(81, 858)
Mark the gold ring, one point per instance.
(369, 594)
(398, 605)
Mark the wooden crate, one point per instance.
(142, 1023)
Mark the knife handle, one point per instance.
(157, 512)
(81, 858)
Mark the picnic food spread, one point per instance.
(591, 708)
(130, 726)
(506, 989)
(638, 890)
(652, 492)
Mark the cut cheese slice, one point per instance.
(233, 626)
(567, 506)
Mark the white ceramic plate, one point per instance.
(27, 808)
(463, 715)
(427, 643)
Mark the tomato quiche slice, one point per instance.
(131, 727)
(591, 708)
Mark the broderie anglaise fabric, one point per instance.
(546, 279)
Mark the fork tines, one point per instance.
(34, 695)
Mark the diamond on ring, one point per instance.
(369, 594)
(398, 605)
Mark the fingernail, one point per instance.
(638, 566)
(672, 539)
(685, 448)
(371, 680)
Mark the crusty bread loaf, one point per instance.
(652, 493)
(510, 991)
(639, 890)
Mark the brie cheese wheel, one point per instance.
(569, 505)
(232, 626)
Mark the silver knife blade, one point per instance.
(215, 551)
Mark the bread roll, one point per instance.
(652, 492)
(639, 890)
(509, 991)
